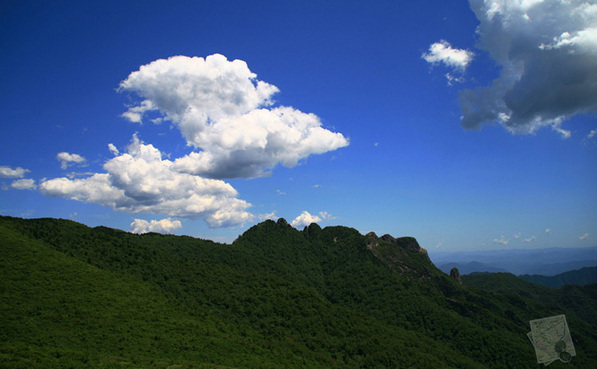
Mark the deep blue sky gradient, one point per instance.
(410, 169)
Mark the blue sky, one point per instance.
(468, 125)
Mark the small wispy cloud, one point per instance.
(556, 126)
(24, 184)
(72, 175)
(517, 235)
(66, 159)
(548, 230)
(453, 79)
(502, 240)
(113, 149)
(326, 216)
(280, 192)
(8, 172)
(530, 239)
(584, 236)
(270, 216)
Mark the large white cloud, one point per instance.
(222, 109)
(8, 172)
(161, 226)
(547, 52)
(250, 145)
(140, 181)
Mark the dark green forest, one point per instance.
(73, 296)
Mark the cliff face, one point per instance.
(404, 255)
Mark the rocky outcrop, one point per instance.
(404, 255)
(408, 243)
(282, 222)
(372, 240)
(312, 231)
(455, 275)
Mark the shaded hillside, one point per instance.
(576, 277)
(277, 297)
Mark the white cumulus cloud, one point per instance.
(140, 181)
(221, 110)
(224, 111)
(160, 226)
(443, 52)
(24, 184)
(547, 52)
(584, 39)
(66, 159)
(8, 172)
(307, 218)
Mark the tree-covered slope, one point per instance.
(577, 302)
(277, 297)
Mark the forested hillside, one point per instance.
(74, 296)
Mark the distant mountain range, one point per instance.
(546, 262)
(579, 277)
(471, 267)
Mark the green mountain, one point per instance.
(74, 296)
(578, 277)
